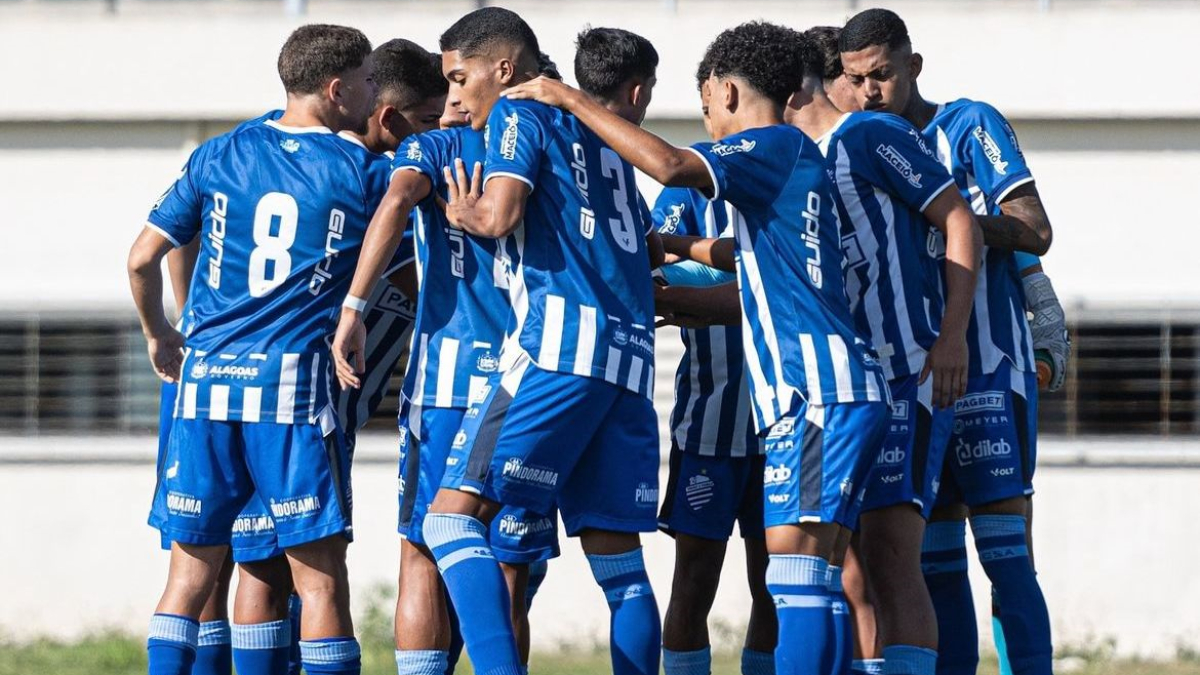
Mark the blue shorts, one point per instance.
(993, 449)
(253, 536)
(539, 438)
(706, 495)
(817, 460)
(212, 470)
(518, 535)
(907, 469)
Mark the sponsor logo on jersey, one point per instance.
(646, 495)
(487, 363)
(508, 141)
(984, 400)
(289, 145)
(295, 508)
(642, 343)
(323, 271)
(180, 504)
(699, 491)
(899, 410)
(776, 475)
(620, 337)
(981, 451)
(401, 484)
(579, 171)
(784, 427)
(173, 471)
(921, 142)
(725, 150)
(811, 236)
(777, 499)
(460, 441)
(515, 469)
(256, 524)
(671, 222)
(999, 472)
(891, 456)
(512, 526)
(901, 164)
(413, 152)
(894, 478)
(199, 370)
(990, 150)
(216, 237)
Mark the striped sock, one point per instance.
(213, 653)
(841, 647)
(909, 660)
(331, 656)
(944, 564)
(635, 628)
(421, 662)
(695, 662)
(801, 593)
(263, 648)
(866, 667)
(1004, 553)
(171, 646)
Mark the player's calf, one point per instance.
(175, 627)
(213, 648)
(762, 631)
(262, 629)
(327, 643)
(944, 566)
(422, 619)
(686, 647)
(635, 634)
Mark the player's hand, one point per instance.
(947, 363)
(349, 347)
(1048, 325)
(541, 89)
(166, 353)
(462, 191)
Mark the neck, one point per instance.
(756, 114)
(305, 111)
(919, 111)
(818, 117)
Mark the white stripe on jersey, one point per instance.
(418, 392)
(312, 389)
(783, 390)
(587, 341)
(912, 351)
(812, 372)
(841, 369)
(218, 403)
(518, 294)
(712, 407)
(189, 401)
(613, 367)
(286, 405)
(251, 404)
(447, 367)
(552, 327)
(635, 373)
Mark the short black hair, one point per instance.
(406, 74)
(872, 27)
(316, 53)
(547, 67)
(766, 55)
(606, 58)
(484, 28)
(822, 56)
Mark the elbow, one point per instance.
(670, 169)
(1045, 239)
(139, 263)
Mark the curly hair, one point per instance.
(822, 56)
(407, 74)
(768, 56)
(872, 27)
(606, 58)
(547, 67)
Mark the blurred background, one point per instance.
(104, 99)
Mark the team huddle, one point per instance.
(865, 324)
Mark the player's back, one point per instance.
(979, 148)
(582, 294)
(278, 207)
(883, 177)
(463, 307)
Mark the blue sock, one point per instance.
(420, 662)
(1001, 647)
(295, 607)
(537, 574)
(1000, 541)
(456, 639)
(635, 629)
(263, 648)
(944, 564)
(841, 647)
(473, 578)
(909, 660)
(213, 654)
(866, 667)
(757, 663)
(801, 593)
(331, 656)
(171, 647)
(696, 662)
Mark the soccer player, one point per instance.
(892, 197)
(992, 451)
(567, 418)
(819, 394)
(253, 413)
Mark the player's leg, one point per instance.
(610, 497)
(262, 626)
(860, 600)
(899, 497)
(841, 647)
(944, 566)
(762, 631)
(201, 497)
(213, 649)
(521, 541)
(423, 630)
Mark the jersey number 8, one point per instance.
(274, 248)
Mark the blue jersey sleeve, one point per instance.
(993, 154)
(894, 155)
(1026, 260)
(516, 135)
(177, 213)
(750, 169)
(420, 153)
(675, 212)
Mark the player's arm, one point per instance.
(949, 357)
(181, 264)
(709, 251)
(1051, 340)
(164, 343)
(1022, 224)
(493, 214)
(660, 160)
(379, 247)
(695, 307)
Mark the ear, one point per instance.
(915, 64)
(333, 91)
(635, 94)
(729, 94)
(386, 116)
(507, 70)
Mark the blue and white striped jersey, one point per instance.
(277, 209)
(581, 293)
(463, 307)
(712, 398)
(978, 146)
(883, 179)
(799, 337)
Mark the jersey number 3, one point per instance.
(623, 229)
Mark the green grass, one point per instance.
(118, 654)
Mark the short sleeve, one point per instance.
(1026, 260)
(177, 215)
(417, 153)
(900, 160)
(750, 169)
(674, 212)
(516, 134)
(993, 153)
